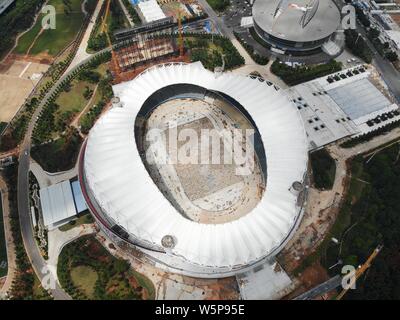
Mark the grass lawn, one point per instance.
(145, 283)
(38, 292)
(84, 278)
(3, 249)
(85, 218)
(86, 270)
(27, 39)
(73, 100)
(52, 41)
(96, 99)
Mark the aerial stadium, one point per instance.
(199, 219)
(297, 27)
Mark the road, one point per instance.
(217, 20)
(31, 247)
(32, 250)
(81, 53)
(321, 289)
(225, 31)
(38, 263)
(386, 69)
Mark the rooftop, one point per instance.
(297, 20)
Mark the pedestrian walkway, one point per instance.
(81, 53)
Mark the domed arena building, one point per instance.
(205, 219)
(297, 27)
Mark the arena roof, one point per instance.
(339, 105)
(119, 182)
(57, 204)
(359, 98)
(297, 20)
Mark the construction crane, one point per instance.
(104, 25)
(361, 270)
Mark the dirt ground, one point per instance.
(174, 286)
(17, 79)
(310, 278)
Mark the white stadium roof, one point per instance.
(122, 187)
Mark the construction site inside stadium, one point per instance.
(206, 190)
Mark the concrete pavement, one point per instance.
(264, 71)
(321, 289)
(46, 179)
(58, 240)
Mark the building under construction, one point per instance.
(153, 42)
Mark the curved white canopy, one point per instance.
(123, 188)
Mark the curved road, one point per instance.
(32, 250)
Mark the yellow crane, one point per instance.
(361, 270)
(113, 55)
(103, 25)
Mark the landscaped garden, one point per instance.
(60, 154)
(69, 19)
(25, 286)
(300, 74)
(17, 18)
(210, 50)
(56, 140)
(86, 270)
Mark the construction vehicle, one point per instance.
(360, 271)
